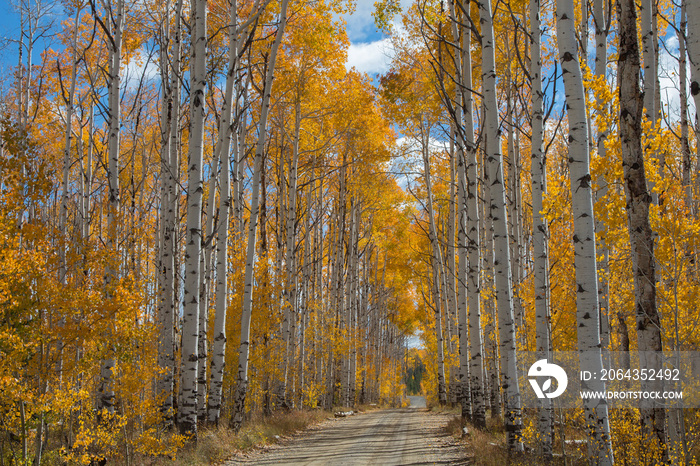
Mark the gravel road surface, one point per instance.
(408, 436)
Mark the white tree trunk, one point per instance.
(289, 307)
(223, 148)
(685, 145)
(693, 49)
(470, 196)
(584, 235)
(243, 352)
(187, 414)
(693, 45)
(601, 22)
(502, 262)
(436, 261)
(106, 388)
(641, 236)
(545, 417)
(169, 171)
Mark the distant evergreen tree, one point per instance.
(414, 376)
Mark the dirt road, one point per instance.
(408, 436)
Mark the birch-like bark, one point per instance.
(646, 8)
(468, 280)
(289, 307)
(169, 174)
(473, 273)
(641, 235)
(63, 214)
(492, 364)
(243, 351)
(106, 387)
(187, 414)
(601, 22)
(693, 50)
(513, 204)
(685, 145)
(648, 54)
(587, 312)
(205, 276)
(545, 416)
(436, 260)
(223, 149)
(502, 260)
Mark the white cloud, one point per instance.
(360, 24)
(669, 80)
(142, 66)
(370, 57)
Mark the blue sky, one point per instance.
(370, 50)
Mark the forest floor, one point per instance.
(407, 436)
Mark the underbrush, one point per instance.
(488, 446)
(216, 444)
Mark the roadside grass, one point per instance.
(217, 444)
(487, 447)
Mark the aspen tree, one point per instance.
(205, 276)
(648, 55)
(223, 150)
(468, 274)
(683, 94)
(587, 314)
(602, 25)
(187, 410)
(693, 50)
(472, 237)
(641, 235)
(63, 215)
(113, 30)
(170, 77)
(289, 298)
(650, 79)
(486, 261)
(243, 353)
(502, 260)
(545, 417)
(436, 263)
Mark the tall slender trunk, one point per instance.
(545, 417)
(436, 262)
(602, 24)
(641, 236)
(169, 170)
(289, 307)
(244, 349)
(693, 50)
(106, 388)
(223, 149)
(205, 276)
(587, 312)
(187, 414)
(502, 262)
(649, 55)
(685, 145)
(63, 214)
(472, 239)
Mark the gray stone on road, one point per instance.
(407, 436)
